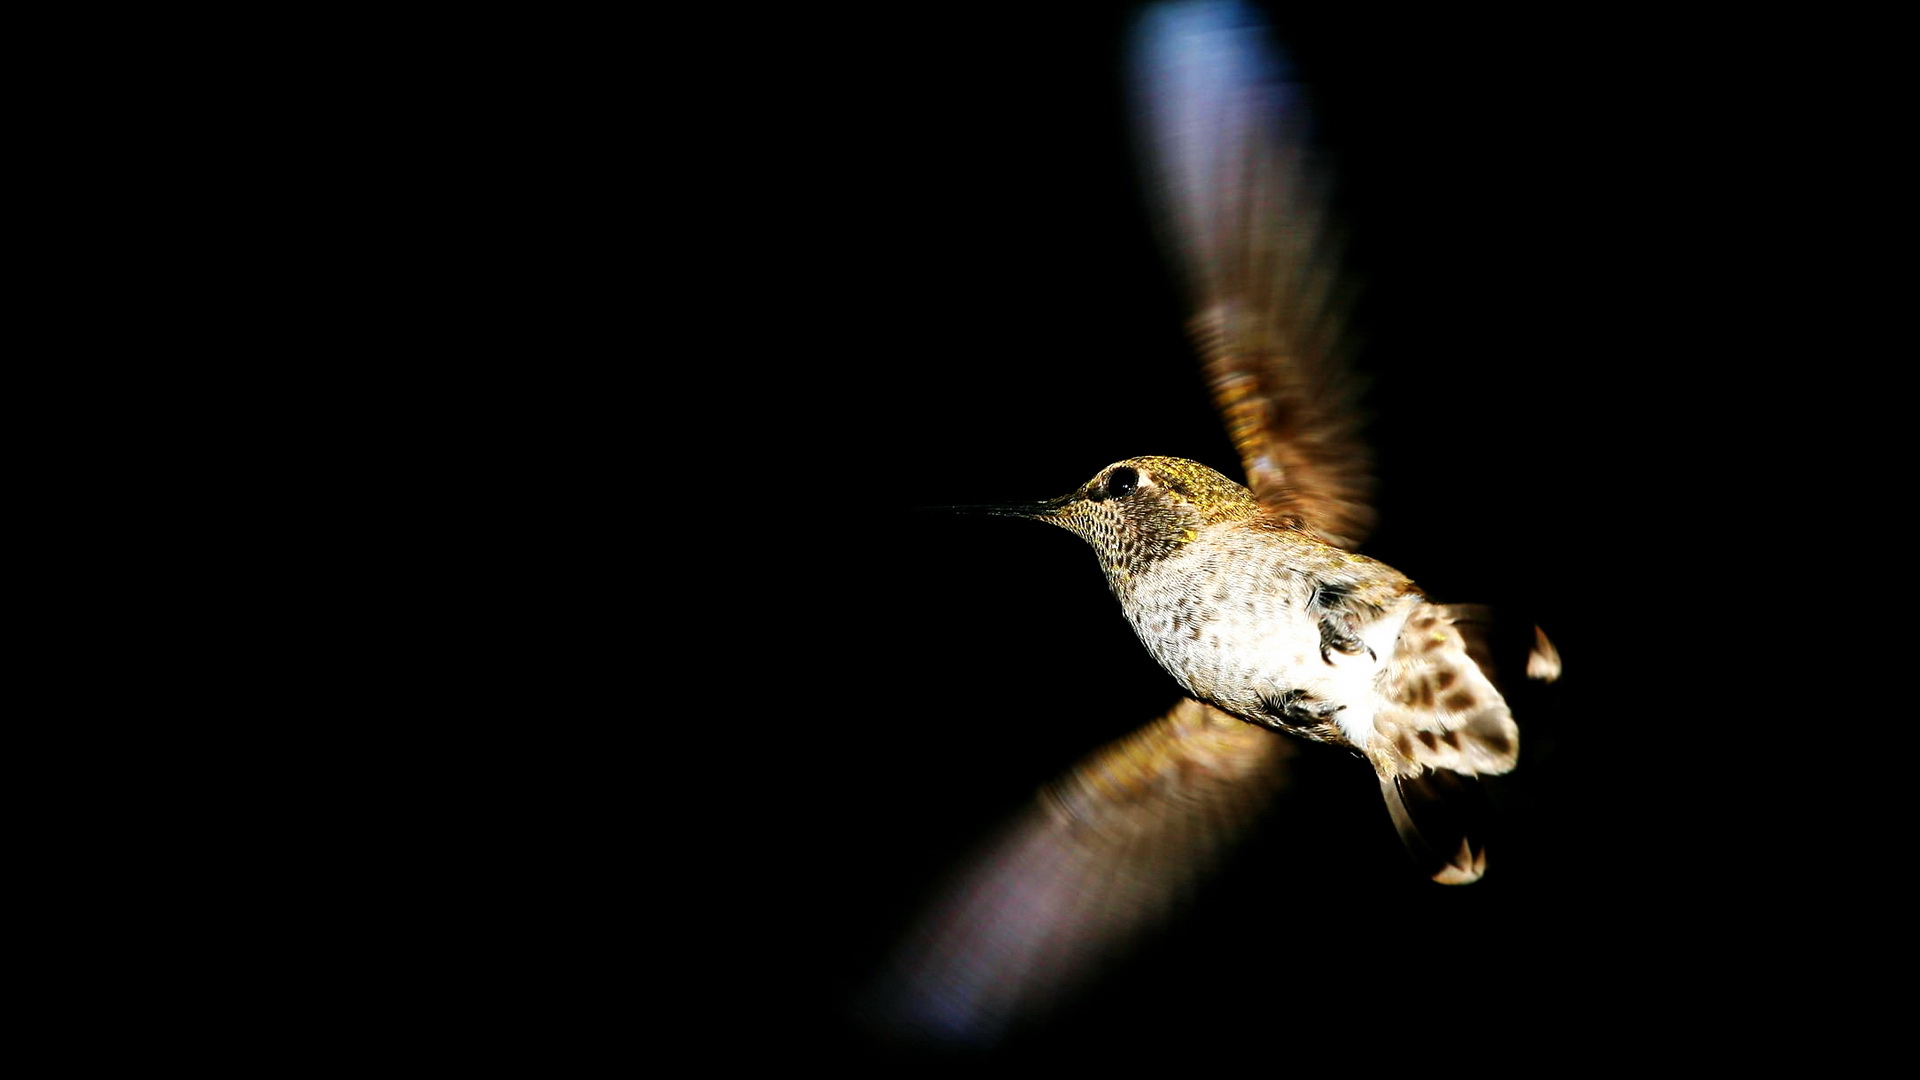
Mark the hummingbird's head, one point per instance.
(1143, 508)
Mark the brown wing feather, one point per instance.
(1106, 851)
(1244, 207)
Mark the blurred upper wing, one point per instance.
(1244, 209)
(1106, 851)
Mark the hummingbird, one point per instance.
(1251, 596)
(1256, 615)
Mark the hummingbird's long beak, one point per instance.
(1041, 511)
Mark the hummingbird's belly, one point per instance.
(1259, 654)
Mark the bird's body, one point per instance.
(1235, 617)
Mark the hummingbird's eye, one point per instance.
(1121, 482)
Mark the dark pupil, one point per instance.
(1120, 482)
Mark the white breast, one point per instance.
(1249, 650)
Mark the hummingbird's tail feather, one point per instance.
(1441, 817)
(1442, 724)
(1105, 853)
(1439, 708)
(1504, 647)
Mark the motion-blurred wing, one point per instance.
(1244, 209)
(1107, 851)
